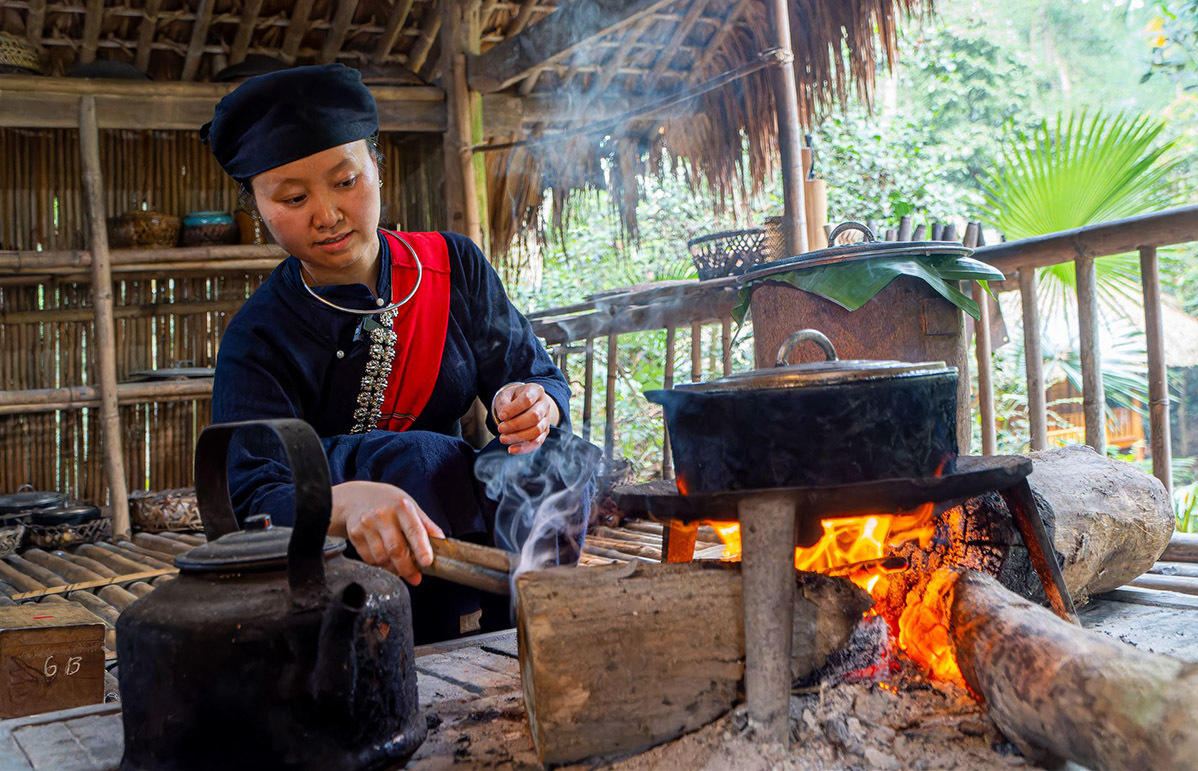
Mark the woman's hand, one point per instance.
(524, 413)
(386, 526)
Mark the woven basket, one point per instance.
(17, 56)
(728, 253)
(62, 536)
(167, 511)
(11, 537)
(143, 230)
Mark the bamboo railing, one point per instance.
(674, 305)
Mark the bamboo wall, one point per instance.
(41, 209)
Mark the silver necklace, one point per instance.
(386, 309)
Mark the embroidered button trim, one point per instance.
(378, 369)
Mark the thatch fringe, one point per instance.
(725, 142)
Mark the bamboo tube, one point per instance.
(1093, 397)
(68, 570)
(36, 572)
(139, 588)
(105, 352)
(18, 580)
(483, 556)
(626, 547)
(83, 586)
(1158, 385)
(99, 568)
(135, 553)
(115, 595)
(588, 392)
(117, 562)
(191, 538)
(1034, 360)
(160, 543)
(985, 372)
(107, 613)
(609, 410)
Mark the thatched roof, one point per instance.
(662, 48)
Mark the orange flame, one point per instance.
(860, 549)
(923, 627)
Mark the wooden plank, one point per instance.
(145, 34)
(245, 31)
(395, 24)
(1037, 406)
(105, 327)
(572, 25)
(51, 103)
(985, 361)
(1153, 597)
(1158, 383)
(1093, 395)
(1183, 547)
(199, 35)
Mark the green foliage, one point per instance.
(1174, 39)
(1185, 505)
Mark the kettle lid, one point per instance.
(260, 546)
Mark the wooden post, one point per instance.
(696, 352)
(790, 148)
(1093, 396)
(985, 381)
(459, 36)
(726, 345)
(105, 340)
(1158, 384)
(609, 407)
(667, 461)
(1037, 410)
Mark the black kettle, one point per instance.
(270, 649)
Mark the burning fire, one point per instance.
(862, 550)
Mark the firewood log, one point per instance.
(663, 647)
(1062, 692)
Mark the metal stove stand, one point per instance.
(775, 521)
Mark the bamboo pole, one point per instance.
(461, 187)
(726, 345)
(696, 352)
(588, 391)
(1158, 384)
(1093, 396)
(105, 349)
(1037, 410)
(609, 408)
(985, 372)
(667, 460)
(786, 102)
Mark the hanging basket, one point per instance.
(728, 253)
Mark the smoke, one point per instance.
(543, 498)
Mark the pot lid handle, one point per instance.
(867, 234)
(313, 494)
(802, 336)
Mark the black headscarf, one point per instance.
(280, 117)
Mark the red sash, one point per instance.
(419, 326)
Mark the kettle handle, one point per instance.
(313, 493)
(803, 335)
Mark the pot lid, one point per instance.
(30, 500)
(260, 546)
(834, 371)
(867, 249)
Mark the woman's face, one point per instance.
(324, 209)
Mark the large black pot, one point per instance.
(827, 423)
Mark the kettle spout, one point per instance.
(335, 672)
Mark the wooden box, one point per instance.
(51, 657)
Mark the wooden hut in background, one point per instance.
(485, 105)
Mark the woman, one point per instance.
(380, 340)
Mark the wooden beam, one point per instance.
(573, 24)
(78, 397)
(35, 21)
(790, 144)
(199, 35)
(1037, 409)
(38, 102)
(335, 37)
(1172, 226)
(245, 31)
(1093, 395)
(424, 44)
(662, 62)
(92, 20)
(718, 38)
(145, 34)
(295, 30)
(1158, 382)
(391, 32)
(104, 349)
